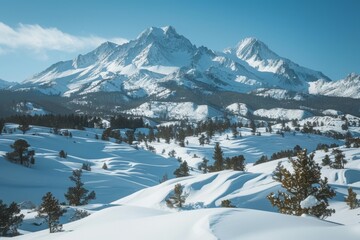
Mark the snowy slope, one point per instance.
(172, 110)
(129, 196)
(128, 169)
(347, 87)
(141, 223)
(280, 94)
(281, 113)
(28, 108)
(239, 109)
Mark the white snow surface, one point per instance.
(130, 201)
(347, 87)
(174, 110)
(239, 109)
(309, 202)
(28, 108)
(281, 113)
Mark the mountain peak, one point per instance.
(157, 32)
(352, 77)
(253, 48)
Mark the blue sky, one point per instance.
(322, 35)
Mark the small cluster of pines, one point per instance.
(50, 209)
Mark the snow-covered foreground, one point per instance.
(130, 202)
(126, 222)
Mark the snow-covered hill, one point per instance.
(129, 196)
(280, 113)
(128, 170)
(347, 87)
(143, 223)
(172, 110)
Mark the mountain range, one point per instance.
(162, 65)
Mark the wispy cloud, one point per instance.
(40, 39)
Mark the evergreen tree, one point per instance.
(130, 136)
(20, 146)
(326, 161)
(218, 157)
(351, 199)
(237, 163)
(177, 200)
(181, 137)
(2, 125)
(10, 219)
(234, 131)
(204, 165)
(105, 167)
(252, 126)
(183, 170)
(24, 127)
(303, 182)
(226, 204)
(78, 195)
(151, 136)
(262, 159)
(50, 210)
(62, 154)
(339, 162)
(202, 140)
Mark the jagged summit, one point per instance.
(252, 48)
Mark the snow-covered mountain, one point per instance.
(5, 84)
(347, 87)
(285, 73)
(160, 57)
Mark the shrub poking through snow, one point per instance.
(351, 199)
(226, 204)
(177, 200)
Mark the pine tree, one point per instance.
(177, 200)
(236, 163)
(326, 161)
(204, 165)
(24, 127)
(339, 162)
(151, 136)
(202, 140)
(10, 219)
(78, 195)
(183, 170)
(50, 210)
(20, 146)
(105, 167)
(234, 130)
(218, 157)
(2, 125)
(351, 199)
(303, 182)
